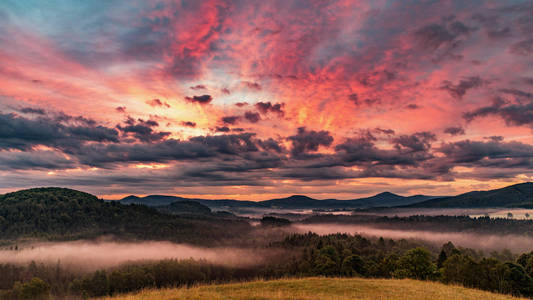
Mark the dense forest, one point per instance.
(337, 255)
(64, 214)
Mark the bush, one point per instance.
(417, 264)
(34, 289)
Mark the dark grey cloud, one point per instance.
(35, 160)
(32, 110)
(143, 130)
(494, 150)
(271, 145)
(121, 109)
(108, 155)
(460, 89)
(203, 99)
(222, 129)
(516, 114)
(228, 144)
(457, 130)
(517, 93)
(252, 117)
(419, 141)
(409, 150)
(17, 132)
(309, 140)
(231, 120)
(213, 147)
(266, 107)
(188, 124)
(412, 106)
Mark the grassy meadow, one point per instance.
(319, 288)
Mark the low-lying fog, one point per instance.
(514, 213)
(96, 255)
(93, 255)
(515, 243)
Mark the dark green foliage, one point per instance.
(442, 258)
(165, 273)
(353, 265)
(58, 213)
(416, 263)
(516, 280)
(36, 288)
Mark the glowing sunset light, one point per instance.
(251, 100)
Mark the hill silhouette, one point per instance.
(518, 195)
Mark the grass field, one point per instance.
(320, 288)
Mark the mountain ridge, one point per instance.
(516, 195)
(386, 199)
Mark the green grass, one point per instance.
(319, 288)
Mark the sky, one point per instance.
(262, 99)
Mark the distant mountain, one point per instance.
(152, 200)
(298, 201)
(159, 200)
(185, 208)
(388, 199)
(518, 195)
(385, 199)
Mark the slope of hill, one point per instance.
(59, 213)
(185, 208)
(518, 195)
(320, 288)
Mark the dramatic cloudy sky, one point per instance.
(258, 99)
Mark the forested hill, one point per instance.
(518, 195)
(59, 213)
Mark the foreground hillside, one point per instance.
(320, 288)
